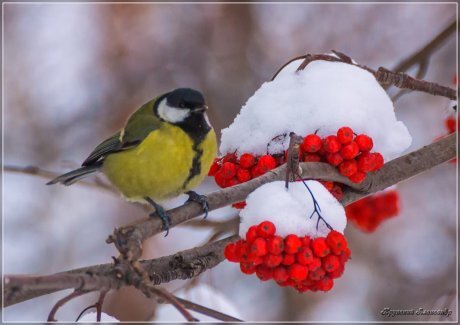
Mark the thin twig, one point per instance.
(207, 311)
(62, 302)
(36, 171)
(163, 293)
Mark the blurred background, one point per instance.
(74, 72)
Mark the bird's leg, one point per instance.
(201, 199)
(160, 211)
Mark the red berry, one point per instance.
(266, 163)
(366, 162)
(263, 272)
(330, 263)
(325, 284)
(251, 234)
(292, 244)
(350, 150)
(334, 159)
(297, 272)
(345, 135)
(305, 241)
(255, 171)
(317, 274)
(315, 263)
(220, 179)
(311, 143)
(242, 251)
(239, 205)
(364, 142)
(258, 247)
(266, 229)
(230, 252)
(311, 157)
(243, 175)
(451, 124)
(304, 256)
(320, 247)
(337, 273)
(348, 167)
(357, 177)
(345, 256)
(288, 259)
(287, 283)
(271, 260)
(247, 160)
(257, 260)
(247, 268)
(331, 144)
(327, 184)
(231, 182)
(280, 274)
(230, 157)
(275, 245)
(214, 167)
(337, 192)
(378, 158)
(336, 242)
(228, 170)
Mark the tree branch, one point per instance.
(427, 50)
(183, 265)
(384, 76)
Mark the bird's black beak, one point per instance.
(201, 109)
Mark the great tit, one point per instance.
(166, 148)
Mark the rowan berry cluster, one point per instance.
(300, 262)
(348, 152)
(368, 213)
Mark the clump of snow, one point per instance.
(201, 294)
(290, 209)
(324, 96)
(92, 318)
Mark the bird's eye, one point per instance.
(181, 105)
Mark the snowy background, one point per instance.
(74, 72)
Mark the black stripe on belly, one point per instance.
(196, 163)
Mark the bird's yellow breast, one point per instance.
(160, 166)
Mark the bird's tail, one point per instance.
(75, 175)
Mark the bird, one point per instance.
(165, 149)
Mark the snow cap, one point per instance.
(324, 96)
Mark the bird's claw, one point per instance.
(201, 199)
(160, 212)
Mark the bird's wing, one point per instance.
(110, 145)
(137, 128)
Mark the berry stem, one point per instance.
(316, 207)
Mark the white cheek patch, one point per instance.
(172, 114)
(206, 118)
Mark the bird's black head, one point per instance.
(186, 98)
(185, 108)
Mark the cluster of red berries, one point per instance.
(368, 213)
(299, 262)
(349, 153)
